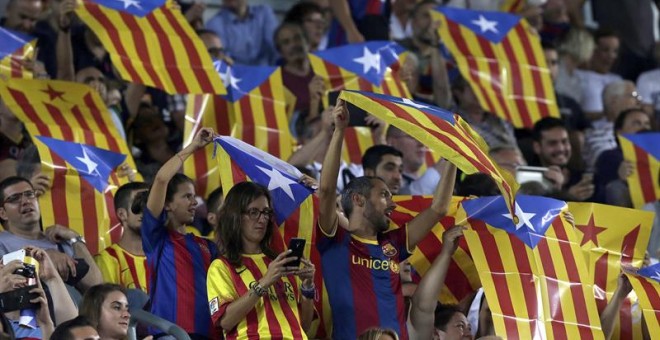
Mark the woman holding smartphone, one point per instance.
(254, 292)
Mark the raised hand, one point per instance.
(450, 239)
(340, 115)
(203, 138)
(278, 268)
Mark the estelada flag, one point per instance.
(464, 279)
(80, 149)
(646, 283)
(253, 110)
(14, 48)
(611, 238)
(532, 271)
(151, 43)
(370, 66)
(295, 205)
(501, 58)
(446, 133)
(643, 150)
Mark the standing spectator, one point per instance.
(575, 50)
(247, 31)
(253, 291)
(358, 21)
(401, 19)
(310, 17)
(177, 261)
(124, 262)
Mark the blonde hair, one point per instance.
(579, 44)
(375, 334)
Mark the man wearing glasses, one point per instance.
(21, 219)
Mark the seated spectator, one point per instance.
(177, 260)
(310, 17)
(21, 218)
(106, 308)
(507, 157)
(22, 15)
(124, 262)
(451, 323)
(378, 334)
(76, 329)
(384, 162)
(250, 280)
(575, 50)
(247, 31)
(14, 139)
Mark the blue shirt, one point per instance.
(178, 265)
(248, 40)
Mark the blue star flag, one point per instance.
(493, 26)
(240, 80)
(138, 8)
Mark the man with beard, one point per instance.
(361, 262)
(297, 72)
(124, 262)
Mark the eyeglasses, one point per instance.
(255, 214)
(636, 95)
(16, 198)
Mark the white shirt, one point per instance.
(593, 84)
(598, 139)
(648, 86)
(397, 31)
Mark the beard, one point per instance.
(378, 219)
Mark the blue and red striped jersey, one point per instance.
(359, 9)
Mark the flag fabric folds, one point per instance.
(646, 283)
(502, 60)
(611, 238)
(14, 48)
(442, 131)
(371, 66)
(79, 147)
(253, 110)
(532, 271)
(643, 150)
(151, 43)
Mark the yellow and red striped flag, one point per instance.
(643, 150)
(502, 60)
(447, 134)
(532, 271)
(646, 284)
(513, 6)
(611, 238)
(14, 48)
(464, 278)
(371, 66)
(151, 43)
(295, 205)
(253, 111)
(79, 147)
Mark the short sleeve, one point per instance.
(153, 230)
(108, 266)
(220, 289)
(324, 241)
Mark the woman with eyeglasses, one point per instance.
(254, 292)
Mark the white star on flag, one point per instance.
(485, 25)
(523, 218)
(369, 60)
(91, 165)
(277, 180)
(228, 78)
(414, 104)
(129, 3)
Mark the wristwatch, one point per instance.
(75, 240)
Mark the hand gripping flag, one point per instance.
(371, 66)
(253, 110)
(442, 131)
(151, 43)
(533, 271)
(14, 48)
(503, 62)
(611, 238)
(643, 150)
(646, 284)
(464, 278)
(295, 205)
(79, 147)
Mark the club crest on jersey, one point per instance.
(394, 267)
(389, 250)
(213, 305)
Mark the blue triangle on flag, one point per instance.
(490, 25)
(651, 272)
(368, 60)
(93, 164)
(138, 8)
(424, 107)
(10, 41)
(647, 141)
(279, 177)
(535, 215)
(240, 80)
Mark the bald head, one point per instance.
(22, 15)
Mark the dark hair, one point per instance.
(92, 301)
(139, 202)
(283, 26)
(548, 45)
(545, 124)
(621, 118)
(202, 31)
(29, 162)
(173, 185)
(299, 11)
(444, 313)
(374, 155)
(63, 331)
(604, 32)
(122, 197)
(9, 181)
(230, 218)
(419, 5)
(477, 185)
(213, 201)
(357, 186)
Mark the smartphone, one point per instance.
(526, 174)
(296, 245)
(357, 115)
(13, 256)
(18, 299)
